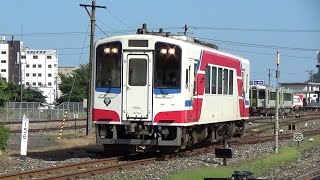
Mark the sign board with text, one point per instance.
(258, 82)
(297, 137)
(24, 138)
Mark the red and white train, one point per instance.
(153, 91)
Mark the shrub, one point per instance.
(4, 138)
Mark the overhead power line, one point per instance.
(116, 17)
(254, 52)
(256, 29)
(258, 45)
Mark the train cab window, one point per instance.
(108, 65)
(262, 94)
(167, 66)
(207, 89)
(220, 80)
(214, 80)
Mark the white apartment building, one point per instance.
(4, 58)
(39, 68)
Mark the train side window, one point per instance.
(230, 82)
(225, 81)
(195, 79)
(220, 78)
(262, 94)
(287, 97)
(254, 94)
(207, 80)
(272, 96)
(214, 81)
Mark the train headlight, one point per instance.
(114, 50)
(163, 51)
(171, 51)
(106, 50)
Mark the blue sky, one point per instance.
(260, 28)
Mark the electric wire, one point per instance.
(258, 45)
(271, 54)
(116, 17)
(256, 29)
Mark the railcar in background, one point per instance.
(263, 100)
(157, 92)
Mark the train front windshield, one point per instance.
(167, 66)
(108, 65)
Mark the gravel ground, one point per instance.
(82, 148)
(161, 170)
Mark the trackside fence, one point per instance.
(14, 111)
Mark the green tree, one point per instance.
(29, 94)
(3, 95)
(32, 95)
(74, 88)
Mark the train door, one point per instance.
(137, 84)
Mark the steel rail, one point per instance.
(60, 169)
(87, 173)
(313, 175)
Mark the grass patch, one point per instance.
(201, 173)
(259, 165)
(4, 138)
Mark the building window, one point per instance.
(3, 61)
(49, 66)
(49, 57)
(39, 83)
(23, 57)
(39, 74)
(34, 83)
(27, 74)
(27, 83)
(35, 57)
(3, 52)
(55, 65)
(49, 84)
(27, 66)
(3, 70)
(39, 66)
(34, 65)
(49, 75)
(34, 74)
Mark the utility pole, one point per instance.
(276, 129)
(269, 74)
(91, 88)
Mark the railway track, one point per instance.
(313, 175)
(92, 168)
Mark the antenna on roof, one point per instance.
(185, 29)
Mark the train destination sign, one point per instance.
(258, 82)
